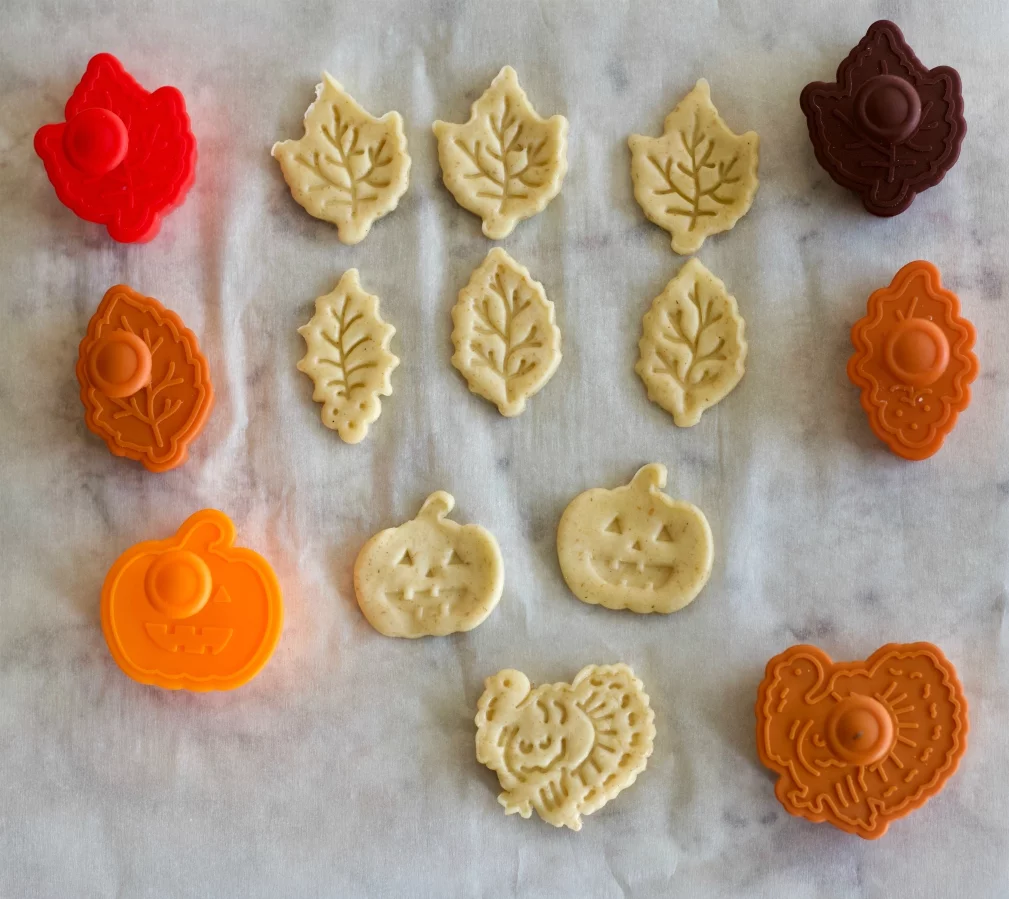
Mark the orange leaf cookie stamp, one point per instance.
(913, 361)
(145, 384)
(193, 612)
(564, 750)
(860, 744)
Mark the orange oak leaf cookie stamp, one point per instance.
(634, 547)
(506, 163)
(429, 576)
(860, 744)
(913, 361)
(348, 357)
(564, 750)
(692, 348)
(697, 178)
(507, 345)
(145, 385)
(350, 168)
(193, 612)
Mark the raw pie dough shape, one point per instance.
(635, 548)
(348, 357)
(350, 168)
(506, 343)
(698, 178)
(506, 163)
(564, 750)
(692, 348)
(430, 576)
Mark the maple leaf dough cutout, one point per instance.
(430, 576)
(506, 163)
(348, 357)
(350, 168)
(564, 750)
(692, 348)
(698, 178)
(506, 343)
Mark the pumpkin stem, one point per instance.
(437, 505)
(650, 477)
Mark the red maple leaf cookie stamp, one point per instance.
(913, 361)
(144, 382)
(860, 744)
(887, 128)
(124, 157)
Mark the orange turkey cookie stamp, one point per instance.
(860, 744)
(145, 384)
(913, 361)
(192, 612)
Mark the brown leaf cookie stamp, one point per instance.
(145, 384)
(888, 128)
(860, 744)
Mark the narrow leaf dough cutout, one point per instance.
(564, 750)
(692, 348)
(634, 547)
(430, 576)
(348, 357)
(506, 343)
(698, 178)
(506, 163)
(350, 168)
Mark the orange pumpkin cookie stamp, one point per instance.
(192, 612)
(913, 361)
(860, 744)
(145, 384)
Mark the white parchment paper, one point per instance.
(347, 768)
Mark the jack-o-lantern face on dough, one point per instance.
(634, 547)
(430, 576)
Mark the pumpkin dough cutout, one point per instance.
(349, 168)
(506, 163)
(564, 750)
(634, 547)
(697, 178)
(430, 576)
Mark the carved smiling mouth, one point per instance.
(186, 638)
(637, 575)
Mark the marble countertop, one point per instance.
(347, 767)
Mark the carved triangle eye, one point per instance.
(614, 527)
(406, 558)
(664, 536)
(455, 559)
(222, 595)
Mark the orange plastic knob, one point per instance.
(119, 363)
(860, 744)
(145, 384)
(913, 361)
(193, 612)
(95, 141)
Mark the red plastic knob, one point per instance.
(95, 141)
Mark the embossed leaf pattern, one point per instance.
(698, 178)
(506, 343)
(506, 163)
(348, 358)
(692, 349)
(350, 168)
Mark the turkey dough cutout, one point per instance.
(350, 168)
(697, 178)
(506, 343)
(348, 357)
(430, 576)
(564, 750)
(634, 547)
(506, 163)
(692, 348)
